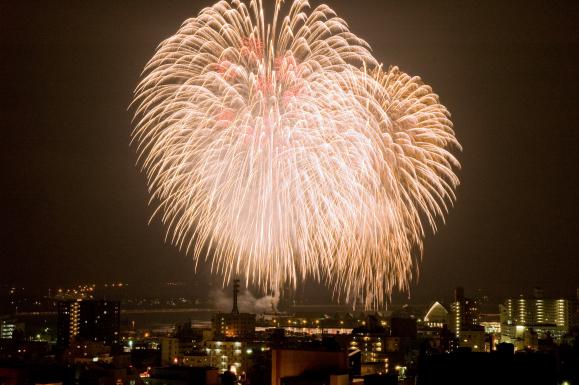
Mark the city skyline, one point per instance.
(75, 205)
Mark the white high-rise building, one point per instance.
(545, 316)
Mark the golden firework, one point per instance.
(284, 151)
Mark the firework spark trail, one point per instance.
(289, 152)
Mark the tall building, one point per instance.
(235, 324)
(91, 320)
(545, 316)
(464, 313)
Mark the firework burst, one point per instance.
(283, 150)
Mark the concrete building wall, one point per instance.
(289, 362)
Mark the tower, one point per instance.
(235, 324)
(235, 310)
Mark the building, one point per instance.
(231, 345)
(239, 326)
(545, 316)
(86, 352)
(491, 322)
(191, 338)
(22, 350)
(288, 365)
(182, 375)
(235, 324)
(479, 368)
(169, 351)
(434, 329)
(436, 339)
(464, 314)
(90, 320)
(224, 354)
(374, 342)
(474, 339)
(436, 316)
(8, 327)
(196, 359)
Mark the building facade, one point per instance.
(90, 320)
(464, 313)
(224, 354)
(544, 316)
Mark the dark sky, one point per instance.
(74, 207)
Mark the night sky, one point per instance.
(74, 206)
